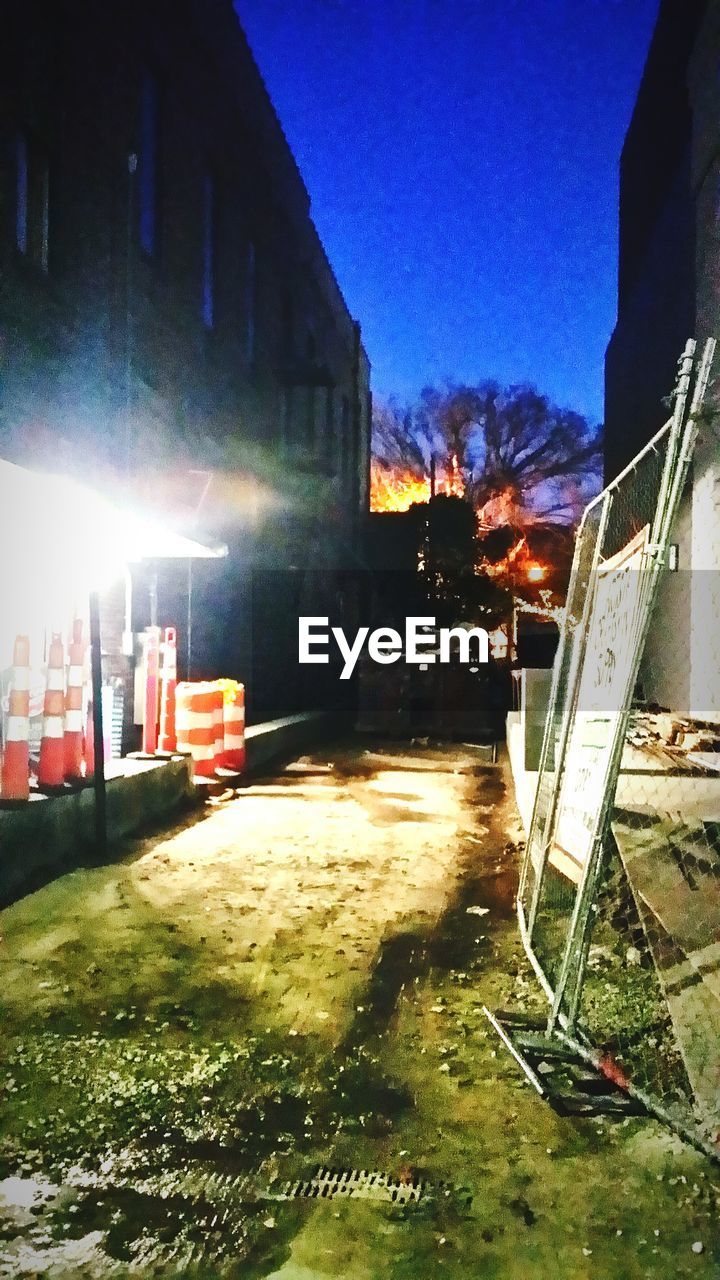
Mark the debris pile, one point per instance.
(671, 732)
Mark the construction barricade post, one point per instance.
(15, 779)
(150, 716)
(168, 685)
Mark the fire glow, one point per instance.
(515, 562)
(398, 489)
(392, 489)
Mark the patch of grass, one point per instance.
(69, 1098)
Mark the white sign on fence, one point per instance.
(608, 661)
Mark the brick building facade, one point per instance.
(167, 310)
(669, 290)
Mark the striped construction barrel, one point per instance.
(197, 707)
(219, 728)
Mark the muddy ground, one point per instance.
(296, 978)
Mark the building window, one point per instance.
(311, 355)
(288, 323)
(21, 215)
(148, 167)
(250, 301)
(287, 420)
(32, 208)
(330, 429)
(344, 441)
(310, 441)
(208, 253)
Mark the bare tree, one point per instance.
(395, 441)
(522, 459)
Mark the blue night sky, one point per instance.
(462, 160)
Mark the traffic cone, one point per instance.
(150, 717)
(51, 768)
(73, 754)
(168, 685)
(15, 780)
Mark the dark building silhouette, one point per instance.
(669, 291)
(167, 311)
(656, 285)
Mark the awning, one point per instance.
(59, 539)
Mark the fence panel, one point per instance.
(619, 901)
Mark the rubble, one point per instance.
(671, 732)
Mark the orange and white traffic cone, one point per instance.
(74, 707)
(168, 685)
(15, 780)
(51, 768)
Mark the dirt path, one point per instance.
(296, 980)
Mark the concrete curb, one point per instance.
(50, 834)
(52, 830)
(276, 740)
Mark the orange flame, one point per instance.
(394, 489)
(501, 509)
(510, 563)
(455, 485)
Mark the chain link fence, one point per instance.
(619, 901)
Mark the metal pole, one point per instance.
(652, 1106)
(153, 595)
(188, 669)
(129, 336)
(99, 746)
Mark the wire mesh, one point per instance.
(627, 942)
(548, 898)
(650, 994)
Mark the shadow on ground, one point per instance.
(280, 986)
